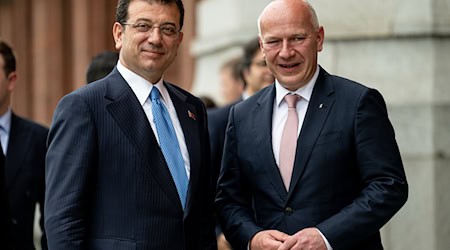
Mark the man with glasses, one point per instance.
(128, 165)
(255, 72)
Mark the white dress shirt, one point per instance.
(5, 128)
(142, 89)
(279, 117)
(280, 111)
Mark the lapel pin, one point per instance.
(191, 115)
(321, 106)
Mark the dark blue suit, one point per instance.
(348, 178)
(4, 211)
(25, 181)
(108, 185)
(217, 125)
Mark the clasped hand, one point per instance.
(308, 238)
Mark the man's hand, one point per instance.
(267, 240)
(222, 243)
(306, 239)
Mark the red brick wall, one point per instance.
(54, 40)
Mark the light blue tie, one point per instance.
(169, 145)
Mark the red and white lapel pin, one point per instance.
(192, 115)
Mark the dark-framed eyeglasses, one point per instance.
(168, 30)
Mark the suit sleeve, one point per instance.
(69, 161)
(209, 224)
(233, 201)
(41, 195)
(380, 167)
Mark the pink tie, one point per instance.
(289, 140)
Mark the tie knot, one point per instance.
(154, 94)
(291, 100)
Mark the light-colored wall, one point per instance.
(401, 48)
(223, 26)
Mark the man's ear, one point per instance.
(117, 34)
(12, 79)
(261, 46)
(320, 38)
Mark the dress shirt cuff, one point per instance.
(325, 240)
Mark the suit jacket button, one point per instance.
(14, 221)
(288, 211)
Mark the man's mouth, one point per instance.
(289, 66)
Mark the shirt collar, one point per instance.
(245, 96)
(305, 91)
(140, 86)
(5, 121)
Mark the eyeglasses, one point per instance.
(168, 30)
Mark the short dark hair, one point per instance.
(235, 67)
(250, 50)
(8, 57)
(122, 9)
(101, 65)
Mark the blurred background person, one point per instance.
(254, 70)
(4, 217)
(23, 145)
(255, 75)
(231, 83)
(101, 65)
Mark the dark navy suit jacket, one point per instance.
(108, 185)
(348, 179)
(217, 125)
(25, 181)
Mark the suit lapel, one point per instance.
(187, 113)
(320, 105)
(262, 132)
(19, 142)
(126, 110)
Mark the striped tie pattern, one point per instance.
(169, 145)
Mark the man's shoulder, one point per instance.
(220, 112)
(341, 82)
(261, 97)
(177, 90)
(29, 125)
(218, 117)
(94, 91)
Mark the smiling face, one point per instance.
(148, 53)
(290, 42)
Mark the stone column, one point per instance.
(402, 48)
